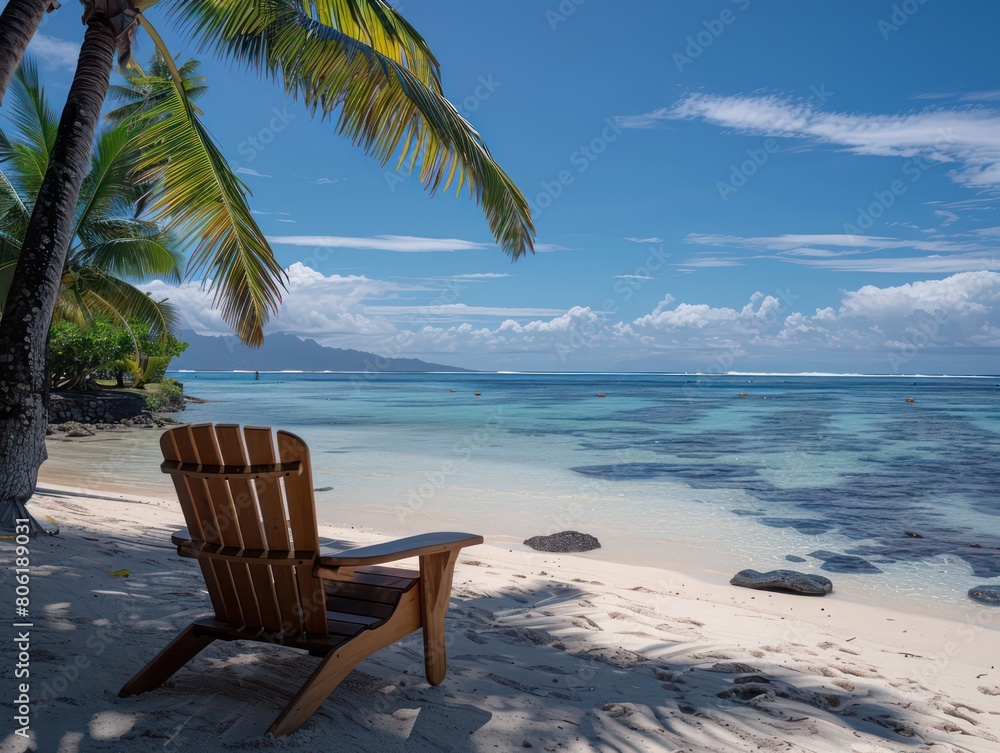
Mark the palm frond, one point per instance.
(136, 257)
(384, 106)
(36, 124)
(379, 25)
(142, 88)
(207, 206)
(109, 189)
(14, 213)
(99, 293)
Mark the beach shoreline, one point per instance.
(564, 652)
(109, 459)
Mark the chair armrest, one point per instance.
(181, 538)
(413, 546)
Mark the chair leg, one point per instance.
(177, 653)
(328, 675)
(339, 663)
(436, 571)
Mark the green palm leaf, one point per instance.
(109, 189)
(136, 258)
(112, 239)
(378, 25)
(14, 214)
(144, 87)
(383, 106)
(206, 204)
(96, 292)
(30, 113)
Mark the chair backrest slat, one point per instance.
(241, 513)
(174, 444)
(273, 527)
(245, 501)
(302, 521)
(218, 497)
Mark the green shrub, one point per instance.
(155, 355)
(168, 395)
(75, 353)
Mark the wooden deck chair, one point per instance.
(252, 527)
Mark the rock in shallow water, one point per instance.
(986, 594)
(567, 541)
(783, 580)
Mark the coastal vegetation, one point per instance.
(358, 60)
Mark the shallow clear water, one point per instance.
(677, 471)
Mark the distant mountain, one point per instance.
(282, 352)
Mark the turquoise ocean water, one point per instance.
(676, 471)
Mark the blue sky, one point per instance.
(730, 185)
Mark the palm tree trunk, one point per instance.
(18, 24)
(27, 315)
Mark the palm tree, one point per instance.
(357, 58)
(114, 239)
(18, 23)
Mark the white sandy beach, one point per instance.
(546, 652)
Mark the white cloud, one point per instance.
(790, 242)
(458, 311)
(949, 217)
(886, 327)
(314, 304)
(251, 171)
(854, 253)
(934, 264)
(59, 53)
(968, 138)
(983, 96)
(954, 313)
(708, 262)
(402, 243)
(645, 240)
(480, 276)
(655, 119)
(633, 277)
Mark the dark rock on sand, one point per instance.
(783, 580)
(567, 541)
(986, 594)
(843, 563)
